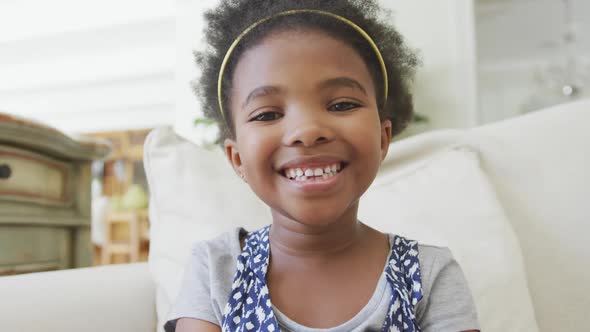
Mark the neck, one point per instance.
(297, 239)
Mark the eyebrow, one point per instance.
(267, 90)
(342, 82)
(261, 91)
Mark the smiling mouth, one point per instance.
(301, 174)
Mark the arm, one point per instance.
(447, 304)
(195, 325)
(194, 310)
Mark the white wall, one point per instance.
(517, 41)
(189, 27)
(88, 66)
(443, 31)
(508, 90)
(94, 66)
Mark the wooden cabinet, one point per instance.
(44, 197)
(33, 177)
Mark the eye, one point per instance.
(343, 106)
(267, 116)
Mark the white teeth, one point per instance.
(302, 174)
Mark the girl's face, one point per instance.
(304, 101)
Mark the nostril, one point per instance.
(307, 136)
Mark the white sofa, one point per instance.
(538, 166)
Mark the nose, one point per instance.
(308, 128)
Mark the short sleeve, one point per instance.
(194, 297)
(447, 305)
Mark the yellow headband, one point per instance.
(291, 12)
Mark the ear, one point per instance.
(233, 156)
(386, 134)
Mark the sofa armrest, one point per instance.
(110, 298)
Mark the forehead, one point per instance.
(301, 56)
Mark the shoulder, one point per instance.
(219, 251)
(443, 283)
(433, 258)
(227, 242)
(207, 279)
(435, 262)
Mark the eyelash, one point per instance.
(350, 105)
(260, 116)
(277, 115)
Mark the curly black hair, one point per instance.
(232, 17)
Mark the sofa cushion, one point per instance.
(97, 299)
(436, 196)
(539, 165)
(446, 200)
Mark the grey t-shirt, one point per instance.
(447, 304)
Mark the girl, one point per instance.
(308, 95)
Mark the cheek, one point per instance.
(368, 143)
(367, 131)
(256, 148)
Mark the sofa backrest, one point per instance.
(539, 165)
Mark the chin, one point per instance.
(316, 217)
(316, 221)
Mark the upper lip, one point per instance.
(310, 161)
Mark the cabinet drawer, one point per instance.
(30, 245)
(9, 270)
(31, 177)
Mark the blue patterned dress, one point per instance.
(249, 308)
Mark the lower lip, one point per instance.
(318, 185)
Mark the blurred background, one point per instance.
(114, 70)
